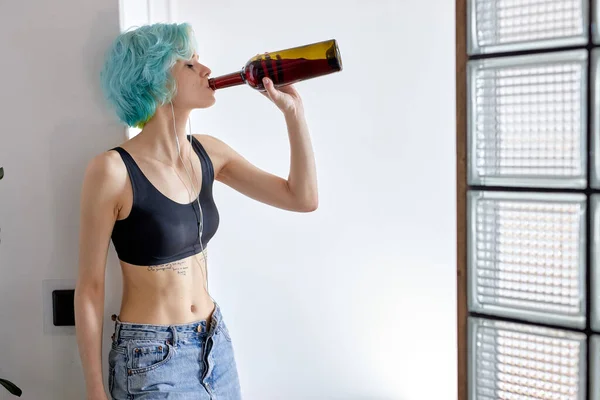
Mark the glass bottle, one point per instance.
(285, 67)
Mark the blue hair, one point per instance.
(136, 77)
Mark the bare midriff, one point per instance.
(168, 294)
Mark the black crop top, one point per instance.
(159, 230)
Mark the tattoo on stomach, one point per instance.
(180, 267)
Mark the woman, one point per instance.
(152, 196)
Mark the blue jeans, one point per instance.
(187, 361)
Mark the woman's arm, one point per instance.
(299, 192)
(99, 208)
(302, 179)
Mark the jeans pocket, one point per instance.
(146, 356)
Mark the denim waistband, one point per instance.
(127, 330)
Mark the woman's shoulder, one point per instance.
(216, 149)
(106, 170)
(207, 141)
(102, 189)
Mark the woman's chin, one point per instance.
(206, 103)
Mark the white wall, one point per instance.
(53, 122)
(357, 300)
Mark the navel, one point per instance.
(193, 308)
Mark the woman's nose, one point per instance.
(206, 71)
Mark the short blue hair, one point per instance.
(136, 77)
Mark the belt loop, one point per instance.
(174, 331)
(115, 336)
(214, 319)
(217, 315)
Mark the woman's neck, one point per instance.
(158, 135)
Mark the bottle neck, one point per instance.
(225, 81)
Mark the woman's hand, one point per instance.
(286, 98)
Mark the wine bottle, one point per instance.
(285, 67)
